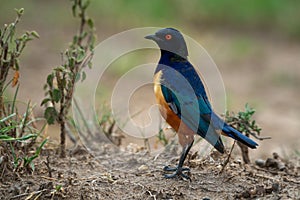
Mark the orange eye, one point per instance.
(168, 37)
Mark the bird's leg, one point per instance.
(179, 169)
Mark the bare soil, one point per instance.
(117, 174)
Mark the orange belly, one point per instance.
(185, 134)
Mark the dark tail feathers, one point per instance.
(233, 133)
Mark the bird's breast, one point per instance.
(164, 108)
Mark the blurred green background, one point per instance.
(255, 44)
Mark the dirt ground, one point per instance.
(116, 174)
(255, 69)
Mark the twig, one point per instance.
(30, 194)
(151, 195)
(49, 178)
(260, 138)
(155, 158)
(50, 170)
(227, 160)
(3, 171)
(245, 152)
(267, 177)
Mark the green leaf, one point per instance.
(60, 68)
(83, 35)
(20, 12)
(80, 56)
(50, 79)
(83, 76)
(71, 62)
(15, 99)
(56, 95)
(29, 161)
(77, 78)
(32, 166)
(75, 39)
(7, 117)
(58, 187)
(9, 138)
(90, 65)
(26, 137)
(74, 9)
(34, 34)
(86, 4)
(38, 151)
(45, 87)
(6, 130)
(45, 101)
(90, 22)
(6, 138)
(50, 115)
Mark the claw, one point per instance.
(173, 169)
(178, 172)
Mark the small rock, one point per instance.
(233, 165)
(73, 160)
(219, 166)
(260, 190)
(270, 162)
(238, 160)
(252, 192)
(143, 168)
(269, 190)
(275, 155)
(275, 187)
(260, 162)
(246, 194)
(280, 165)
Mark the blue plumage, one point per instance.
(185, 96)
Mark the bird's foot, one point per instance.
(178, 172)
(173, 169)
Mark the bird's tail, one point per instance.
(233, 133)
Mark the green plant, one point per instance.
(61, 82)
(244, 123)
(162, 137)
(10, 51)
(18, 136)
(18, 133)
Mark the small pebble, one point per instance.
(143, 168)
(260, 162)
(275, 155)
(270, 162)
(280, 165)
(275, 187)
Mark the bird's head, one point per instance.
(170, 39)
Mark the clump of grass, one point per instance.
(60, 84)
(18, 133)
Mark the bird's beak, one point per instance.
(152, 37)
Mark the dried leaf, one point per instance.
(15, 78)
